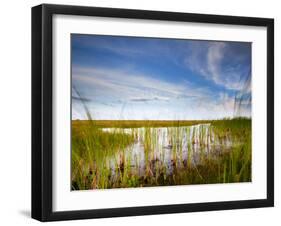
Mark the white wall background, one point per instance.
(15, 113)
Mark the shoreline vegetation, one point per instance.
(139, 123)
(145, 153)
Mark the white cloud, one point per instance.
(214, 58)
(125, 94)
(207, 60)
(129, 85)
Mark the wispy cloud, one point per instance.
(149, 99)
(140, 78)
(215, 62)
(129, 94)
(123, 84)
(114, 89)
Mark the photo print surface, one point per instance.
(159, 112)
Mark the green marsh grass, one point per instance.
(100, 158)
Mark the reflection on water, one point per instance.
(172, 147)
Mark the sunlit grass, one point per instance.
(100, 158)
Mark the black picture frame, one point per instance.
(42, 111)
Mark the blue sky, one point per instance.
(121, 77)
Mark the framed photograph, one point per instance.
(145, 112)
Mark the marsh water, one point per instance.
(172, 147)
(123, 154)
